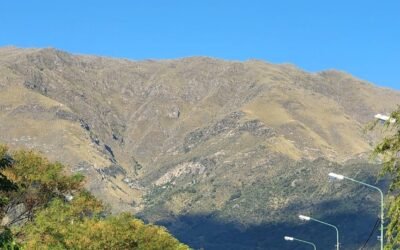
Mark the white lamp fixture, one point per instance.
(288, 238)
(336, 176)
(385, 118)
(303, 217)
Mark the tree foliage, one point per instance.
(389, 151)
(81, 224)
(29, 182)
(47, 220)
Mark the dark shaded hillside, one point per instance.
(248, 222)
(202, 231)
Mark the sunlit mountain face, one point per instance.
(224, 154)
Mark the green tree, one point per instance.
(28, 182)
(81, 224)
(34, 191)
(388, 150)
(6, 185)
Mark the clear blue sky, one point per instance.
(361, 37)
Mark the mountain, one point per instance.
(224, 154)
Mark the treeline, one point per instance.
(43, 208)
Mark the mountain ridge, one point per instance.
(189, 136)
(12, 48)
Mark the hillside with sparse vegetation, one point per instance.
(224, 154)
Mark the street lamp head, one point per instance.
(336, 176)
(303, 217)
(385, 118)
(288, 238)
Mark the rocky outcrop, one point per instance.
(231, 125)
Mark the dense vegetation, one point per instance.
(42, 208)
(389, 150)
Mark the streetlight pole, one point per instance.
(307, 218)
(288, 238)
(341, 177)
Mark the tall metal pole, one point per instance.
(382, 204)
(337, 230)
(302, 217)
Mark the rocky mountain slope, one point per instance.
(199, 141)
